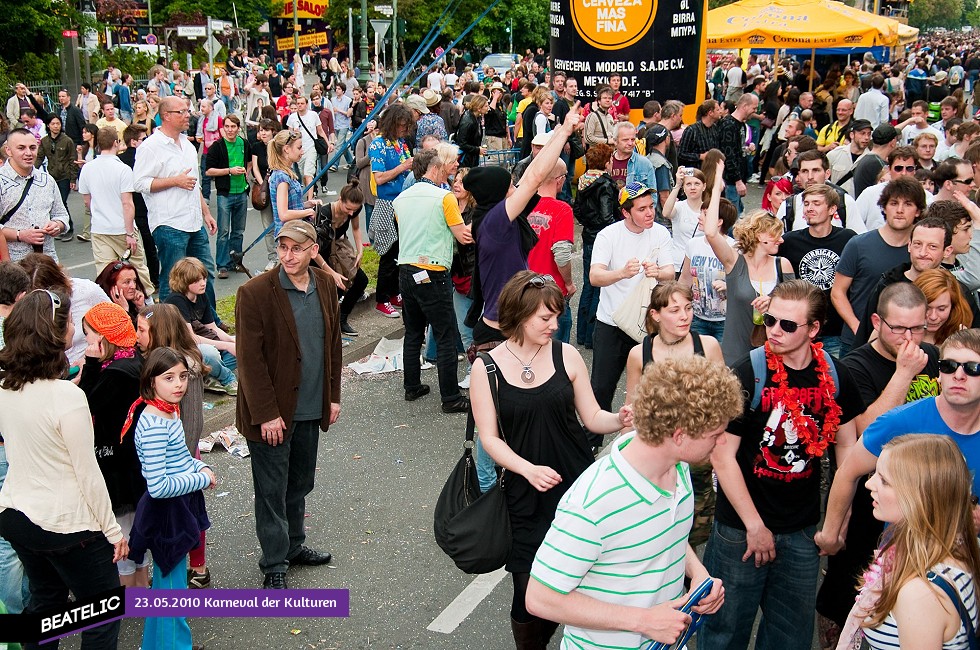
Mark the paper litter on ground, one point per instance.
(387, 357)
(229, 438)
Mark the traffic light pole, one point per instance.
(394, 39)
(363, 64)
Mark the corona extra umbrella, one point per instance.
(797, 24)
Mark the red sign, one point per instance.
(70, 33)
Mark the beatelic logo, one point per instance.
(756, 39)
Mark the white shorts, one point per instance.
(126, 566)
(308, 163)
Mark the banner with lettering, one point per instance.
(656, 45)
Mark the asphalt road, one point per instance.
(380, 470)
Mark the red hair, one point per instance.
(782, 183)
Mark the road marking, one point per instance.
(466, 602)
(80, 266)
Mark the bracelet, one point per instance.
(18, 234)
(131, 234)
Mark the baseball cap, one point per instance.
(541, 139)
(884, 134)
(860, 125)
(297, 230)
(657, 134)
(415, 102)
(632, 191)
(496, 85)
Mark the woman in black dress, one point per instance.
(542, 385)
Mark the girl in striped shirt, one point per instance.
(171, 515)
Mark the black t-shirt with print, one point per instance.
(815, 260)
(872, 372)
(783, 480)
(197, 313)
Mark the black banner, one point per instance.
(656, 45)
(70, 619)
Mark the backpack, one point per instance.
(758, 358)
(790, 217)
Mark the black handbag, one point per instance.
(472, 528)
(319, 144)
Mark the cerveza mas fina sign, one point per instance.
(656, 45)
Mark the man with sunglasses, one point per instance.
(895, 369)
(289, 391)
(953, 175)
(955, 412)
(901, 162)
(769, 474)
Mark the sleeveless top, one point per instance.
(886, 635)
(647, 348)
(541, 426)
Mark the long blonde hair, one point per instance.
(933, 488)
(276, 152)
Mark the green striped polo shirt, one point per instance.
(617, 538)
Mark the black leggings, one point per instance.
(518, 608)
(388, 275)
(352, 295)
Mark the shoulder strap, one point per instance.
(491, 367)
(299, 118)
(954, 596)
(698, 346)
(20, 202)
(647, 350)
(779, 270)
(833, 372)
(790, 217)
(758, 358)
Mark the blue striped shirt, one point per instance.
(169, 469)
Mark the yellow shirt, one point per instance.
(521, 105)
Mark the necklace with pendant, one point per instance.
(527, 375)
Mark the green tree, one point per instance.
(34, 26)
(936, 13)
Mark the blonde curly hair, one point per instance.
(749, 227)
(690, 394)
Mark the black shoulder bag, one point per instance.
(23, 196)
(321, 146)
(472, 528)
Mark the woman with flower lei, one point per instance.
(922, 490)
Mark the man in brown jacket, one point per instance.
(289, 366)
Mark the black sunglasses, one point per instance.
(948, 367)
(787, 326)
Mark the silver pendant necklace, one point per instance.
(527, 375)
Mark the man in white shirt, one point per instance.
(873, 104)
(307, 124)
(622, 255)
(436, 80)
(917, 123)
(815, 170)
(450, 78)
(106, 186)
(211, 94)
(167, 174)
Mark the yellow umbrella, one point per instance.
(797, 24)
(907, 34)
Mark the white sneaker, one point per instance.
(465, 384)
(271, 265)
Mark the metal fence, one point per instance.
(49, 89)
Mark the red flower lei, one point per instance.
(816, 442)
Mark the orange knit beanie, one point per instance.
(111, 321)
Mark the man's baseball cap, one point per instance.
(884, 134)
(657, 134)
(860, 125)
(632, 191)
(415, 102)
(297, 230)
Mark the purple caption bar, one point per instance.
(238, 603)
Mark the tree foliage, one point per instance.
(936, 13)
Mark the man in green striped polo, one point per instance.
(613, 564)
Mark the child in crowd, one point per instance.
(926, 179)
(174, 481)
(188, 280)
(162, 326)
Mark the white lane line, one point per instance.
(80, 266)
(466, 602)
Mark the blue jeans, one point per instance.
(232, 209)
(368, 210)
(430, 303)
(205, 179)
(14, 589)
(732, 195)
(172, 245)
(715, 328)
(832, 345)
(486, 467)
(785, 590)
(219, 369)
(588, 302)
(342, 136)
(282, 477)
(564, 332)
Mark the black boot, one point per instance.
(526, 635)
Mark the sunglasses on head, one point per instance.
(55, 301)
(787, 326)
(948, 367)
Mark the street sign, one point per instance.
(151, 39)
(192, 31)
(70, 33)
(381, 27)
(385, 9)
(219, 25)
(213, 46)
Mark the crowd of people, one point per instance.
(824, 337)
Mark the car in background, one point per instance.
(499, 62)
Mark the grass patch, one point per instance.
(369, 263)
